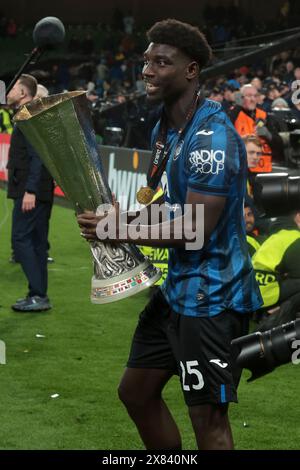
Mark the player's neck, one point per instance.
(177, 110)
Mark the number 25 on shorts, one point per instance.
(190, 369)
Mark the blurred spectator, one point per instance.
(92, 96)
(228, 96)
(249, 219)
(253, 149)
(296, 73)
(249, 119)
(284, 90)
(140, 84)
(256, 81)
(216, 95)
(242, 79)
(272, 94)
(279, 103)
(128, 22)
(279, 60)
(261, 96)
(102, 69)
(253, 239)
(116, 74)
(120, 59)
(234, 83)
(289, 75)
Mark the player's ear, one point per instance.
(192, 70)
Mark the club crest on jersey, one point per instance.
(178, 149)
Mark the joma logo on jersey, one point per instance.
(207, 161)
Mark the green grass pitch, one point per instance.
(80, 353)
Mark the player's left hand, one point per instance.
(87, 222)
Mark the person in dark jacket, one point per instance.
(31, 187)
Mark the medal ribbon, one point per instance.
(161, 151)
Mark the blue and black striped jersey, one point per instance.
(211, 159)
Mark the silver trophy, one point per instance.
(60, 129)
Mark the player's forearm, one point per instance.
(178, 232)
(146, 213)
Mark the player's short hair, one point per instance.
(29, 82)
(185, 37)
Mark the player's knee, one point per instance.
(130, 397)
(126, 395)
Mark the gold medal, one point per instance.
(145, 195)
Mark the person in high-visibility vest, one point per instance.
(277, 264)
(249, 119)
(6, 126)
(158, 256)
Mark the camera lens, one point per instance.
(276, 192)
(261, 353)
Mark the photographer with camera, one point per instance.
(277, 268)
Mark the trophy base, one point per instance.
(130, 283)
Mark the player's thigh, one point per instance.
(141, 385)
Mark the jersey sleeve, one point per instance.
(213, 159)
